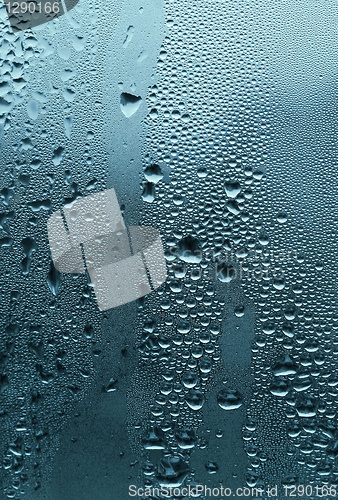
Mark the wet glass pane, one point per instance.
(168, 249)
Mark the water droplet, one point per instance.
(189, 250)
(282, 217)
(225, 273)
(195, 399)
(229, 399)
(129, 104)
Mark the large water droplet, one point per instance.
(229, 399)
(225, 273)
(129, 104)
(232, 189)
(153, 174)
(195, 399)
(189, 250)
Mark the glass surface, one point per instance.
(213, 124)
